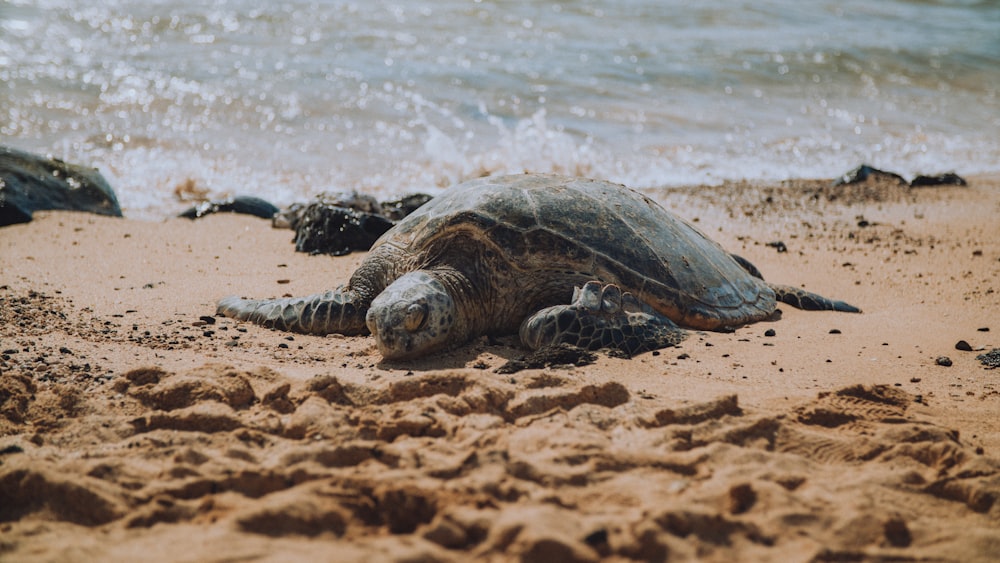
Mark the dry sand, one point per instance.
(131, 429)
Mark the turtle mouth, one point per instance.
(395, 347)
(397, 342)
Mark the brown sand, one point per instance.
(130, 429)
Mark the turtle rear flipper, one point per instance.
(601, 317)
(808, 301)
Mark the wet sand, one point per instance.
(132, 427)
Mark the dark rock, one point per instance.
(866, 173)
(247, 205)
(398, 208)
(290, 217)
(778, 245)
(338, 223)
(946, 179)
(770, 332)
(330, 229)
(30, 183)
(990, 359)
(983, 329)
(943, 361)
(963, 346)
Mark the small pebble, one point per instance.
(943, 361)
(684, 356)
(770, 332)
(983, 329)
(963, 346)
(834, 331)
(207, 319)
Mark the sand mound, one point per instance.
(450, 464)
(136, 426)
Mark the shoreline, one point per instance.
(131, 422)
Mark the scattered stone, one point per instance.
(835, 331)
(963, 346)
(207, 319)
(778, 245)
(247, 205)
(946, 179)
(943, 361)
(30, 182)
(983, 329)
(990, 359)
(770, 332)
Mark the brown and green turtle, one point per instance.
(558, 259)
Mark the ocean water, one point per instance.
(288, 98)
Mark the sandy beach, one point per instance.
(134, 424)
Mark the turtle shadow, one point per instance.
(501, 350)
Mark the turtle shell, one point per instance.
(550, 227)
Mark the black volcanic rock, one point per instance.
(30, 182)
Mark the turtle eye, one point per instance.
(416, 314)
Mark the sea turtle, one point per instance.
(558, 259)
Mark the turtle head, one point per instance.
(412, 317)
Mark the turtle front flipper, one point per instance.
(601, 317)
(334, 312)
(808, 301)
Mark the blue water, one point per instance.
(289, 98)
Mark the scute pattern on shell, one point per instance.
(547, 223)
